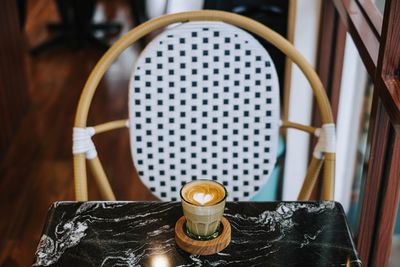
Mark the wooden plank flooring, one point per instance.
(37, 169)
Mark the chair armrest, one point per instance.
(298, 126)
(111, 125)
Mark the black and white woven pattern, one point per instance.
(204, 104)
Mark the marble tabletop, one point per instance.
(142, 234)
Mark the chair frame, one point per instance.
(328, 159)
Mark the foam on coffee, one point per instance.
(203, 192)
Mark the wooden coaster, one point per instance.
(200, 247)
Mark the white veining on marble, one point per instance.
(145, 232)
(67, 236)
(128, 258)
(163, 229)
(281, 218)
(309, 238)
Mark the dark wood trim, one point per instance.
(14, 96)
(377, 138)
(389, 62)
(380, 52)
(337, 60)
(373, 14)
(388, 87)
(382, 184)
(363, 35)
(390, 48)
(326, 35)
(390, 199)
(331, 44)
(371, 46)
(390, 95)
(324, 50)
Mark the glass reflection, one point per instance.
(380, 4)
(361, 161)
(352, 133)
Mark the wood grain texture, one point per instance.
(388, 74)
(363, 34)
(380, 53)
(37, 169)
(387, 85)
(390, 202)
(337, 66)
(390, 49)
(332, 37)
(198, 247)
(390, 95)
(381, 194)
(14, 96)
(372, 13)
(378, 140)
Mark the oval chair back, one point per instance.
(204, 103)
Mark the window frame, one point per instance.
(376, 38)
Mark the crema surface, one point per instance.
(204, 193)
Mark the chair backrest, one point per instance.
(324, 153)
(204, 104)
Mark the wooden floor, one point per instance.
(37, 169)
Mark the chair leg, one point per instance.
(81, 193)
(328, 182)
(311, 178)
(101, 179)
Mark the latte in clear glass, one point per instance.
(203, 203)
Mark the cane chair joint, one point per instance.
(326, 141)
(82, 142)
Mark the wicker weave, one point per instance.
(204, 103)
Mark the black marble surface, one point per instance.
(142, 234)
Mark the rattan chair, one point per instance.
(193, 81)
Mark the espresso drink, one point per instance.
(203, 203)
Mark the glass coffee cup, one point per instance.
(203, 203)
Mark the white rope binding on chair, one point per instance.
(326, 141)
(82, 142)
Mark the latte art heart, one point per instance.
(202, 198)
(203, 192)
